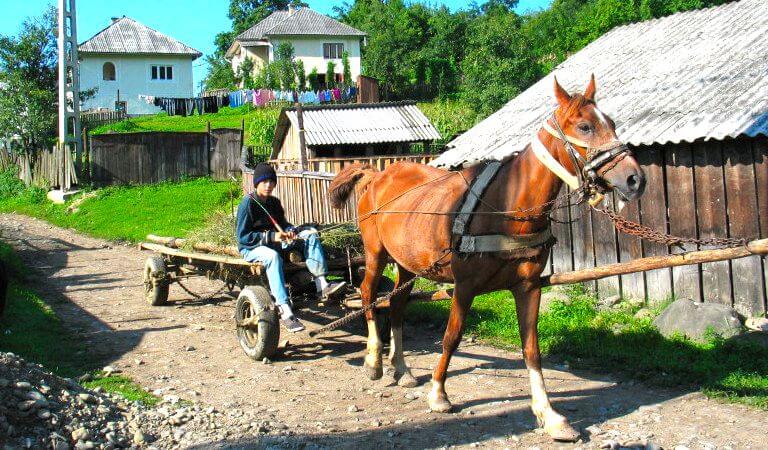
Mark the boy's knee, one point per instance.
(271, 257)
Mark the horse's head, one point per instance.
(591, 148)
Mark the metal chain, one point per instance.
(649, 234)
(355, 314)
(200, 297)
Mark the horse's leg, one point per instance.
(462, 300)
(375, 260)
(527, 297)
(397, 305)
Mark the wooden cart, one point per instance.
(256, 315)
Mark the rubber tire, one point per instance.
(263, 342)
(157, 295)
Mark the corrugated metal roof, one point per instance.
(125, 35)
(304, 21)
(692, 75)
(358, 124)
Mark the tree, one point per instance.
(330, 75)
(245, 73)
(220, 74)
(314, 79)
(301, 75)
(346, 70)
(28, 69)
(284, 62)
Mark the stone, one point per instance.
(81, 434)
(553, 296)
(609, 302)
(190, 348)
(353, 409)
(23, 385)
(644, 313)
(757, 324)
(87, 398)
(694, 320)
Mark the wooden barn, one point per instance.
(336, 133)
(689, 94)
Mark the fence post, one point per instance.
(208, 146)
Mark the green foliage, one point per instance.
(28, 68)
(615, 339)
(220, 74)
(450, 117)
(330, 72)
(285, 65)
(169, 209)
(125, 387)
(301, 75)
(346, 70)
(259, 123)
(245, 74)
(314, 79)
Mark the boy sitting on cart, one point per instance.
(263, 232)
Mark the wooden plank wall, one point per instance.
(225, 146)
(140, 158)
(704, 189)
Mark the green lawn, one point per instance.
(30, 328)
(449, 117)
(127, 213)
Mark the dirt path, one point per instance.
(190, 350)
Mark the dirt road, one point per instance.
(317, 395)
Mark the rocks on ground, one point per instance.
(695, 320)
(41, 410)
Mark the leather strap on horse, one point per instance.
(492, 242)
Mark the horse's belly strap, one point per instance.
(502, 242)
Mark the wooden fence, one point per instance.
(138, 158)
(98, 118)
(46, 168)
(701, 190)
(334, 165)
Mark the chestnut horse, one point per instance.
(406, 212)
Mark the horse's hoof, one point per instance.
(562, 431)
(407, 381)
(439, 404)
(373, 373)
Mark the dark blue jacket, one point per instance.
(254, 228)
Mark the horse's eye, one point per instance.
(585, 128)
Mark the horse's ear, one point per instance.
(562, 96)
(589, 94)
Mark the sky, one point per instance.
(193, 22)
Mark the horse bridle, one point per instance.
(597, 157)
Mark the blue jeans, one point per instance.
(273, 262)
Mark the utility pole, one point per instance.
(69, 82)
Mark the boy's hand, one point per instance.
(285, 236)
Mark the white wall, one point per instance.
(310, 50)
(132, 77)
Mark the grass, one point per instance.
(126, 213)
(449, 117)
(616, 341)
(30, 328)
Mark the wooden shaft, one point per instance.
(758, 247)
(207, 247)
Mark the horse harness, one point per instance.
(489, 243)
(586, 177)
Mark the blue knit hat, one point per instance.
(262, 172)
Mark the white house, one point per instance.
(316, 40)
(128, 59)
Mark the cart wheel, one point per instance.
(258, 339)
(155, 281)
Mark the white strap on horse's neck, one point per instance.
(549, 161)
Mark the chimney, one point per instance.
(291, 9)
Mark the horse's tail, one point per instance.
(355, 175)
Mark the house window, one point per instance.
(108, 71)
(333, 51)
(161, 72)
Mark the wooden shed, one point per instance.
(689, 94)
(348, 132)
